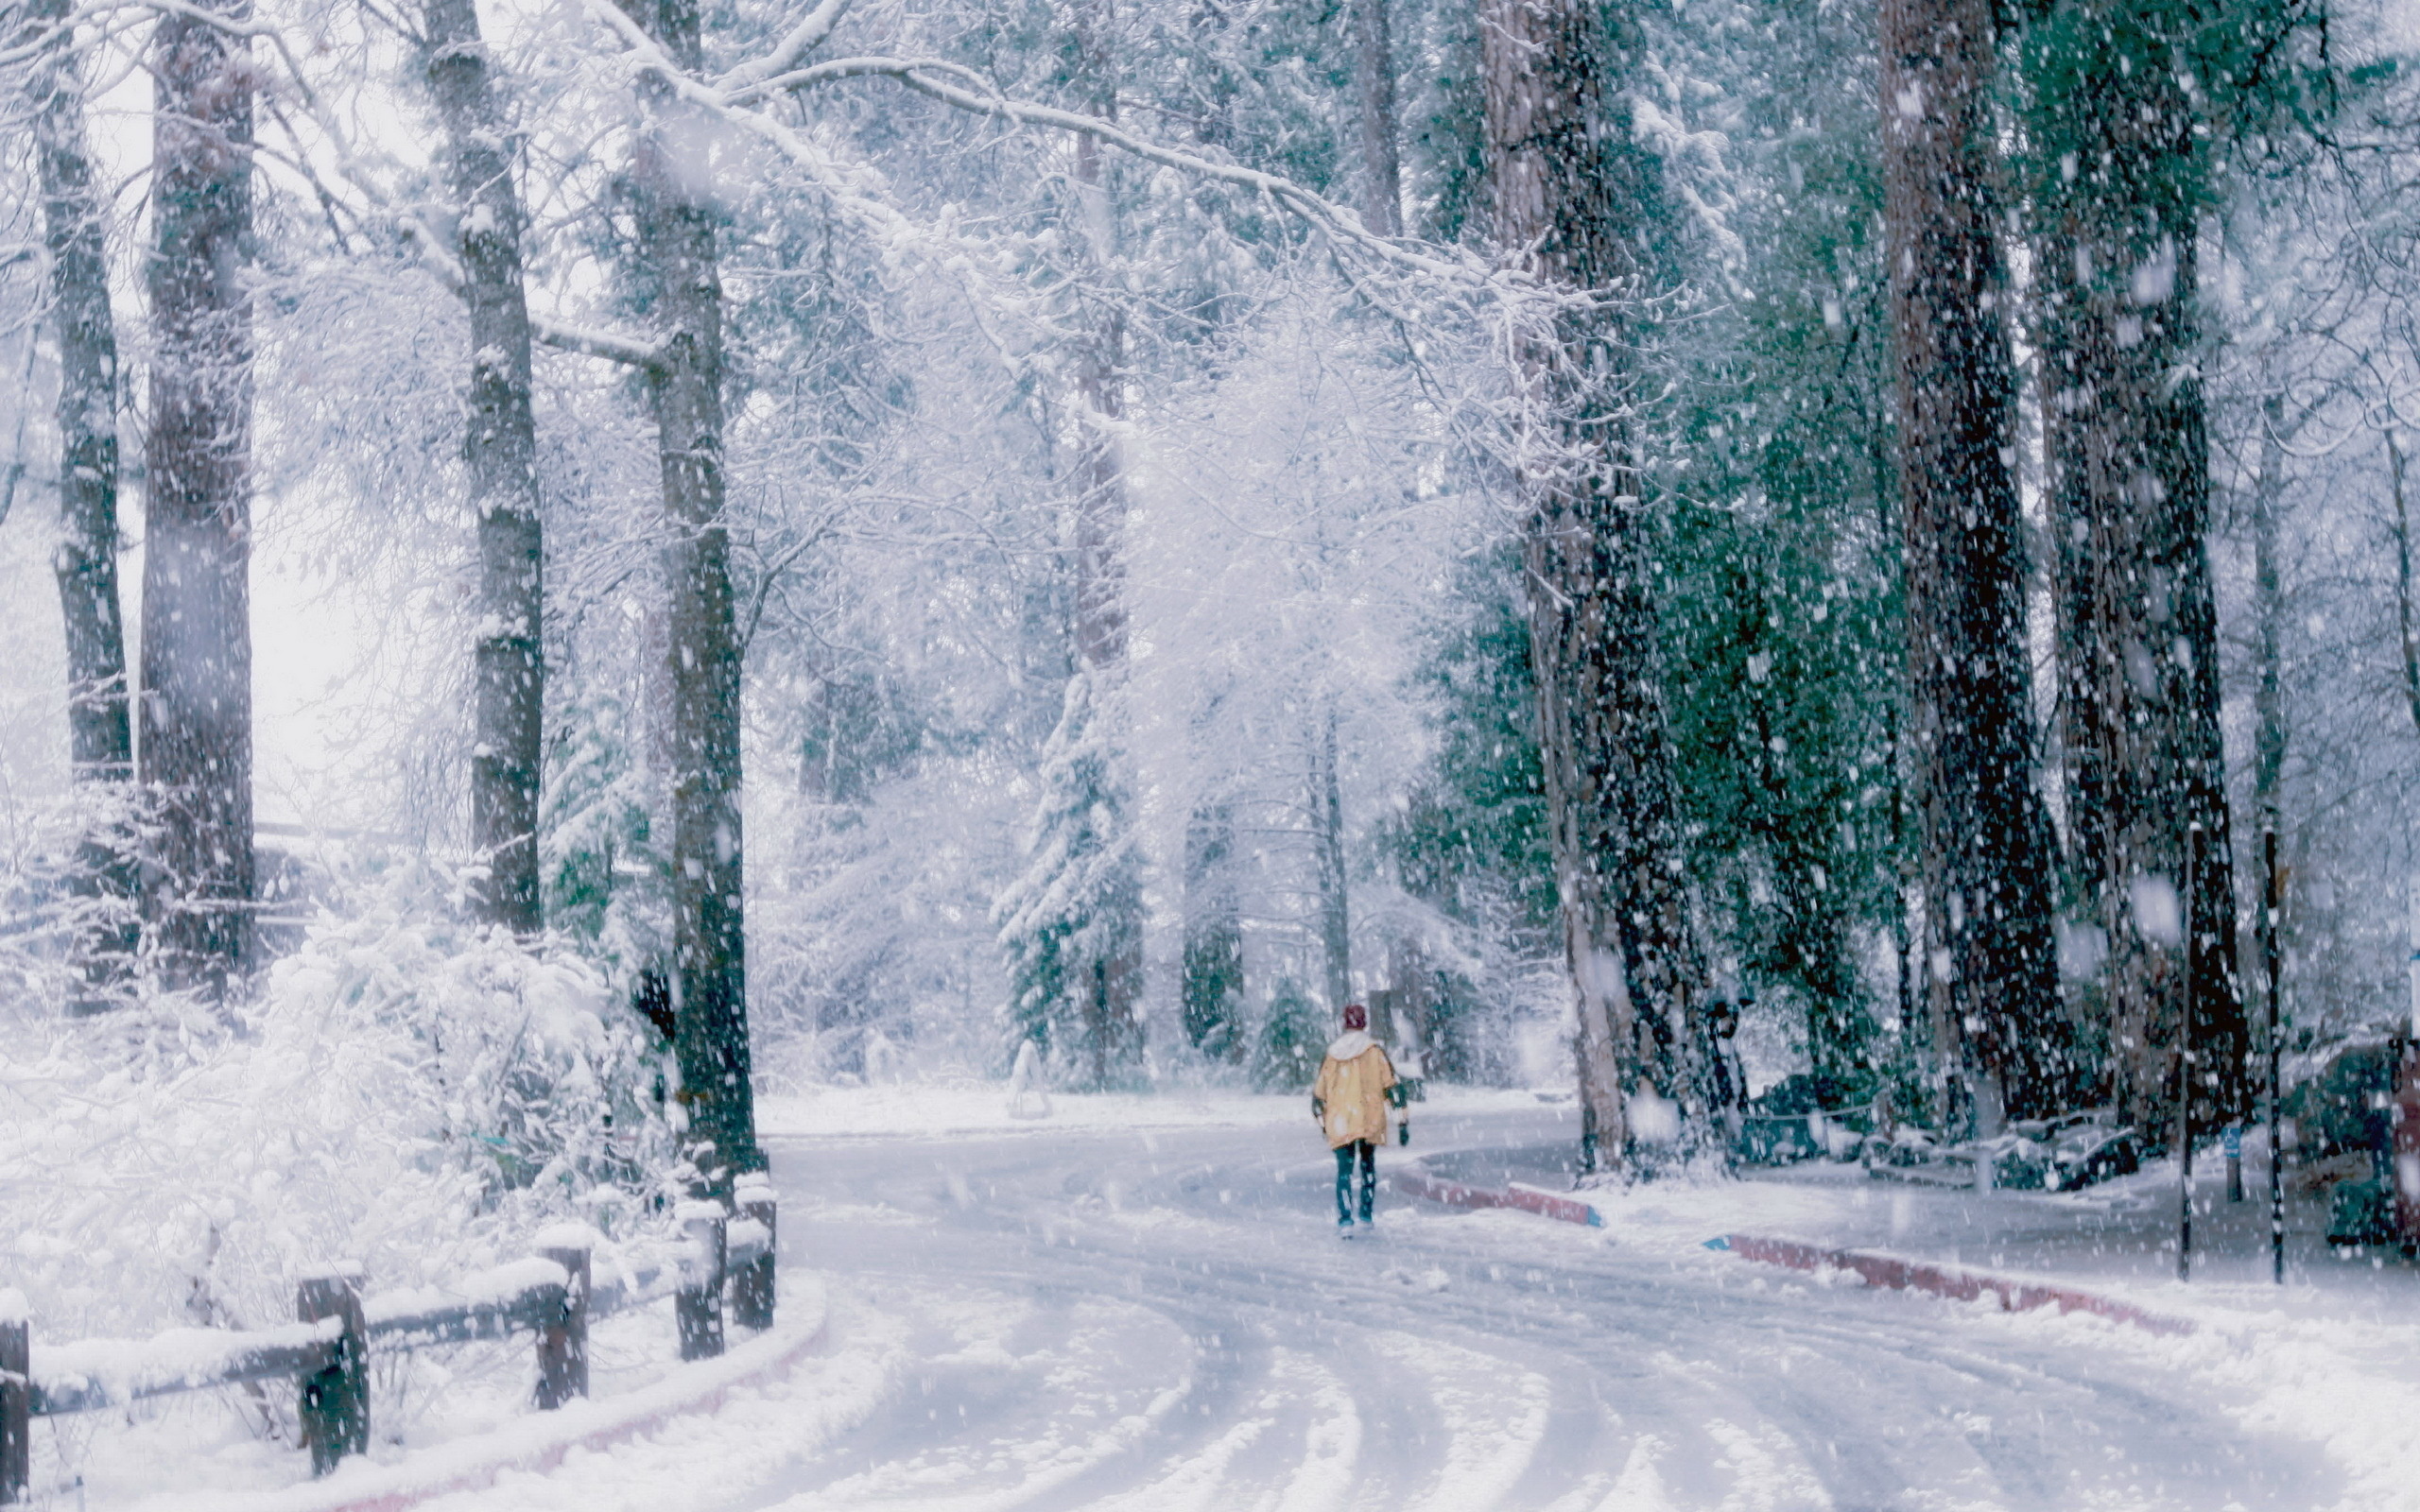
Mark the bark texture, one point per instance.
(676, 231)
(1374, 85)
(1987, 859)
(1569, 195)
(2130, 504)
(1110, 980)
(196, 704)
(100, 735)
(1328, 838)
(499, 450)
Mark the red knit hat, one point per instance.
(1356, 1016)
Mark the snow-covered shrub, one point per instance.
(404, 1090)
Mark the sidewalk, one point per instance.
(2120, 1237)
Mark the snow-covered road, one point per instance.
(1167, 1321)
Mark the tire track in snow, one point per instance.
(1090, 1323)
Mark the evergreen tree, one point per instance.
(1070, 925)
(1986, 848)
(2129, 106)
(1285, 1054)
(1574, 200)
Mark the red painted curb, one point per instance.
(1545, 1204)
(1954, 1282)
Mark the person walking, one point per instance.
(1350, 1101)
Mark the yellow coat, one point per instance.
(1352, 1089)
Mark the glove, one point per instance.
(1319, 1110)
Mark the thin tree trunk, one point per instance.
(500, 450)
(2269, 614)
(676, 244)
(1567, 189)
(2129, 491)
(1327, 837)
(2407, 620)
(1374, 79)
(100, 739)
(196, 709)
(1113, 976)
(1987, 859)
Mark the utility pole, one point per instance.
(2185, 1058)
(2272, 963)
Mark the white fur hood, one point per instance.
(1348, 1044)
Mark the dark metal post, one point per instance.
(336, 1400)
(563, 1344)
(2272, 963)
(2233, 1145)
(698, 1306)
(2185, 1058)
(752, 1285)
(16, 1399)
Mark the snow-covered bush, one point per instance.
(404, 1090)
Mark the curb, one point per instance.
(1419, 1183)
(1953, 1282)
(539, 1444)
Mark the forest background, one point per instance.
(1131, 447)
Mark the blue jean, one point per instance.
(1344, 1156)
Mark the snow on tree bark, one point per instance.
(1987, 859)
(1072, 925)
(100, 738)
(2130, 509)
(196, 751)
(1374, 84)
(676, 226)
(500, 450)
(1566, 201)
(1328, 838)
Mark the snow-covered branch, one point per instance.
(802, 39)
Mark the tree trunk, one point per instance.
(499, 450)
(100, 740)
(1327, 837)
(196, 704)
(1374, 79)
(2269, 628)
(1112, 975)
(676, 228)
(1568, 190)
(1986, 852)
(2130, 495)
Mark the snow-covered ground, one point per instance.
(1161, 1318)
(974, 1107)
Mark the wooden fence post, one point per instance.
(563, 1344)
(698, 1306)
(17, 1399)
(752, 1288)
(336, 1401)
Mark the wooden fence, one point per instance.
(552, 1296)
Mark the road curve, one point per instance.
(1168, 1322)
